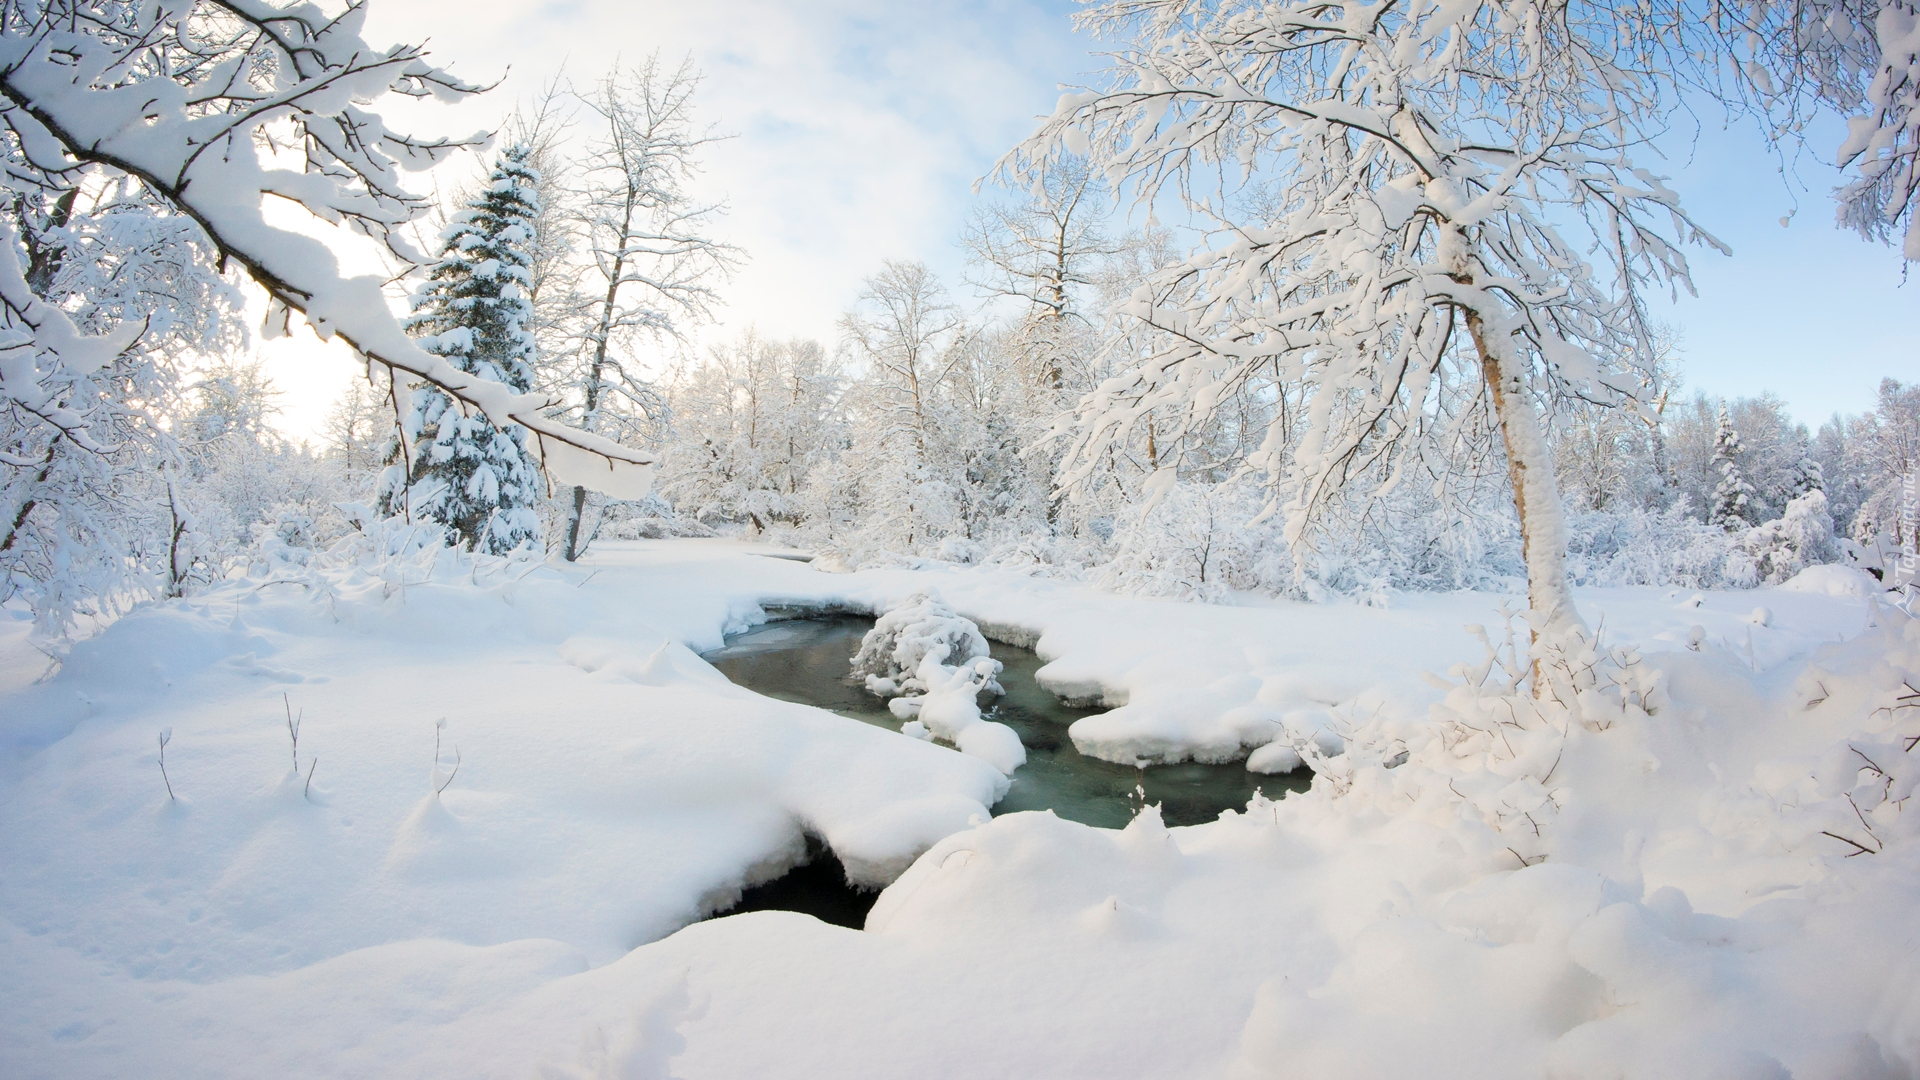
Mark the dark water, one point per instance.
(818, 888)
(806, 660)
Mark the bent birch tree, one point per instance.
(1438, 177)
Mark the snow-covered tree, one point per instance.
(117, 290)
(233, 461)
(1792, 61)
(907, 334)
(356, 429)
(652, 263)
(750, 421)
(208, 107)
(1733, 495)
(1445, 172)
(1806, 477)
(1799, 538)
(545, 124)
(1045, 253)
(1604, 459)
(456, 467)
(1887, 452)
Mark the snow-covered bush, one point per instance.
(959, 549)
(1047, 555)
(1645, 547)
(651, 518)
(1497, 755)
(1801, 537)
(891, 654)
(934, 663)
(1850, 799)
(1198, 542)
(290, 539)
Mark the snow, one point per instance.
(1693, 914)
(158, 131)
(1832, 580)
(907, 653)
(950, 711)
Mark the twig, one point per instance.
(312, 764)
(1863, 850)
(1824, 694)
(454, 773)
(439, 727)
(1875, 837)
(166, 736)
(293, 727)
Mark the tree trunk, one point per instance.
(26, 508)
(575, 511)
(1536, 496)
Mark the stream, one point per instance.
(807, 661)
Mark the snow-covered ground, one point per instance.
(1683, 910)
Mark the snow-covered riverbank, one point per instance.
(611, 788)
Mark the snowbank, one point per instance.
(1683, 915)
(1720, 884)
(611, 786)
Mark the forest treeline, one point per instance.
(1400, 343)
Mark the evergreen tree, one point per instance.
(1733, 496)
(1807, 476)
(474, 310)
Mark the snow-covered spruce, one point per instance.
(1733, 495)
(906, 657)
(450, 466)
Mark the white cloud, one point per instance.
(859, 128)
(861, 125)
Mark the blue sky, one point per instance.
(861, 126)
(1806, 311)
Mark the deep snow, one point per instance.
(1687, 920)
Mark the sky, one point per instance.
(860, 127)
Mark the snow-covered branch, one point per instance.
(202, 100)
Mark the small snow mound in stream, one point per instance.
(891, 654)
(947, 702)
(1274, 758)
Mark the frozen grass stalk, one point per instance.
(293, 728)
(166, 736)
(439, 728)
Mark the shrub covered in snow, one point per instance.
(891, 654)
(934, 664)
(1197, 543)
(1801, 537)
(1493, 754)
